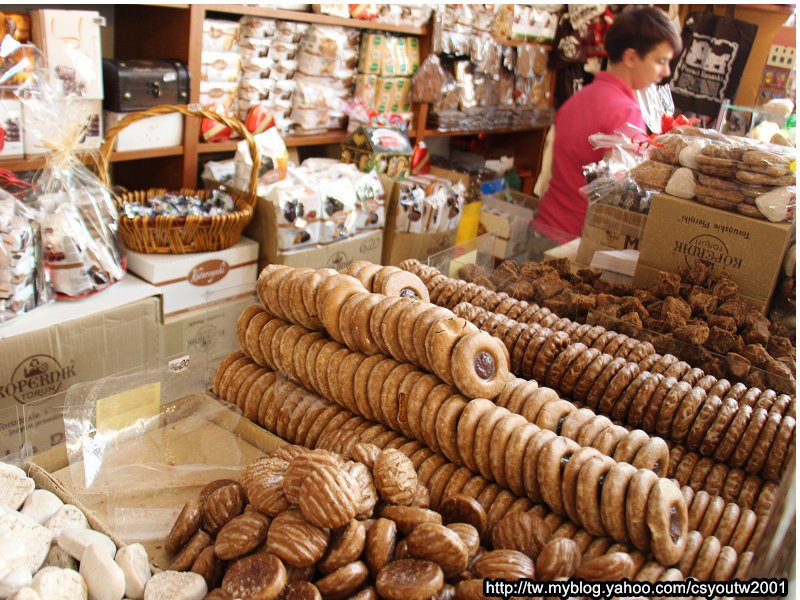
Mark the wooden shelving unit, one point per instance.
(175, 31)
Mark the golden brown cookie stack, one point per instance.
(341, 431)
(660, 394)
(404, 326)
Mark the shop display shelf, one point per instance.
(306, 17)
(38, 162)
(437, 133)
(331, 137)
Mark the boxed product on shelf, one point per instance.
(386, 150)
(220, 35)
(220, 66)
(509, 223)
(42, 354)
(680, 232)
(11, 124)
(186, 279)
(392, 95)
(134, 85)
(159, 131)
(218, 93)
(388, 55)
(70, 44)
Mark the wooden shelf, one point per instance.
(307, 17)
(437, 133)
(38, 162)
(292, 141)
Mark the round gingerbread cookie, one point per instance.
(557, 369)
(265, 286)
(243, 321)
(416, 402)
(406, 324)
(672, 401)
(569, 480)
(701, 470)
(692, 376)
(636, 503)
(743, 530)
(467, 428)
(612, 500)
(479, 366)
(628, 346)
(520, 346)
(403, 394)
(685, 467)
(549, 320)
(651, 414)
(390, 397)
(592, 334)
(574, 421)
(640, 352)
(727, 523)
(536, 401)
(590, 375)
(530, 463)
(553, 457)
(621, 407)
(654, 455)
(222, 368)
(513, 460)
(706, 382)
(552, 415)
(615, 345)
(678, 370)
(630, 445)
(331, 375)
(330, 307)
(706, 559)
(366, 275)
(736, 392)
(720, 388)
(780, 453)
(589, 493)
(616, 387)
(576, 369)
(608, 439)
(288, 342)
(482, 440)
(667, 521)
(510, 339)
(346, 316)
(716, 478)
(441, 341)
(686, 413)
(446, 426)
(390, 328)
(376, 318)
(744, 448)
(706, 415)
(285, 292)
(733, 435)
(253, 395)
(664, 363)
(505, 396)
(750, 396)
(601, 384)
(343, 382)
(642, 399)
(422, 326)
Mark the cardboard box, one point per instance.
(397, 247)
(393, 94)
(70, 44)
(88, 111)
(44, 352)
(610, 228)
(509, 224)
(680, 232)
(160, 131)
(11, 124)
(185, 280)
(370, 53)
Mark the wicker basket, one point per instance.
(182, 235)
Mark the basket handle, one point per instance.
(189, 111)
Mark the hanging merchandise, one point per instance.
(710, 68)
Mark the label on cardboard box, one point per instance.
(610, 228)
(680, 232)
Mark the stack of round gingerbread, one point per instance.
(445, 479)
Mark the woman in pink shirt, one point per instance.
(640, 45)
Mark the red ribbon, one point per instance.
(668, 122)
(644, 141)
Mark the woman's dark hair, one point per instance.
(641, 29)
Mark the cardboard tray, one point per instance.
(228, 438)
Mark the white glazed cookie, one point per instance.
(172, 585)
(77, 540)
(103, 577)
(41, 505)
(15, 486)
(132, 559)
(68, 516)
(60, 584)
(16, 580)
(32, 536)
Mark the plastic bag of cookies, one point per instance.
(297, 210)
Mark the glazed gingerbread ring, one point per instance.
(238, 379)
(532, 352)
(623, 405)
(493, 323)
(691, 551)
(743, 532)
(725, 565)
(446, 426)
(506, 304)
(591, 336)
(361, 379)
(612, 501)
(636, 503)
(382, 274)
(440, 343)
(320, 367)
(751, 486)
(592, 429)
(574, 421)
(733, 435)
(630, 445)
(366, 275)
(422, 326)
(428, 415)
(778, 453)
(243, 321)
(706, 559)
(615, 345)
(531, 462)
(310, 360)
(377, 383)
(651, 571)
(783, 404)
(577, 335)
(706, 382)
(224, 386)
(618, 384)
(698, 509)
(727, 523)
(265, 273)
(467, 429)
(712, 516)
(331, 305)
(560, 325)
(716, 478)
(626, 348)
(285, 292)
(590, 376)
(416, 401)
(608, 439)
(640, 352)
(732, 485)
(702, 422)
(406, 325)
(436, 286)
(502, 331)
(601, 384)
(376, 319)
(222, 369)
(482, 440)
(533, 405)
(549, 320)
(651, 414)
(750, 396)
(447, 292)
(686, 413)
(513, 459)
(664, 363)
(310, 402)
(648, 361)
(267, 288)
(513, 384)
(346, 317)
(390, 328)
(576, 369)
(461, 294)
(736, 392)
(589, 493)
(701, 470)
(676, 454)
(569, 480)
(670, 405)
(514, 334)
(678, 370)
(688, 493)
(642, 400)
(603, 340)
(479, 365)
(405, 285)
(520, 394)
(390, 398)
(552, 458)
(498, 445)
(765, 400)
(744, 448)
(254, 395)
(519, 349)
(758, 534)
(686, 466)
(720, 388)
(552, 415)
(667, 520)
(404, 391)
(286, 350)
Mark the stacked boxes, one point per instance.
(385, 66)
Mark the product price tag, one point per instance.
(124, 409)
(177, 365)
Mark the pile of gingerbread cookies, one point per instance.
(514, 522)
(513, 445)
(695, 314)
(729, 173)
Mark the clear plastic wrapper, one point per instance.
(655, 102)
(256, 27)
(273, 155)
(24, 282)
(77, 213)
(220, 66)
(220, 35)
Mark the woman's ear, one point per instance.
(629, 57)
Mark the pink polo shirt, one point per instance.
(605, 105)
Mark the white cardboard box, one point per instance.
(186, 280)
(159, 131)
(509, 224)
(70, 43)
(11, 123)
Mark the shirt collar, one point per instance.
(608, 78)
